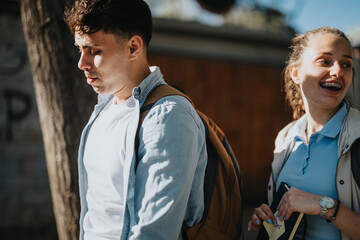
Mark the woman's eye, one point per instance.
(324, 62)
(346, 65)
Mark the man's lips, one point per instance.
(91, 80)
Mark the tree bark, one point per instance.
(64, 103)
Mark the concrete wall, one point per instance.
(25, 200)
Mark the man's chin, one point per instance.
(100, 90)
(97, 89)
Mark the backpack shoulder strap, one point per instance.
(355, 161)
(156, 94)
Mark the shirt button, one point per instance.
(341, 182)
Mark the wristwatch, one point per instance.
(326, 203)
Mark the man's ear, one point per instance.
(136, 45)
(294, 73)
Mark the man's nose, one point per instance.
(84, 63)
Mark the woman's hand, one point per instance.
(262, 213)
(296, 200)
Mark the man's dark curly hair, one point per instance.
(123, 18)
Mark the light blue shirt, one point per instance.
(167, 186)
(312, 168)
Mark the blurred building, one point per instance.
(354, 89)
(243, 14)
(229, 64)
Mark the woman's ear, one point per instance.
(294, 73)
(136, 45)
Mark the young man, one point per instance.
(120, 199)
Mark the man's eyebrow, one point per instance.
(86, 46)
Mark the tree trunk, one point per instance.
(64, 103)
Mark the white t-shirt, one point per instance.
(104, 162)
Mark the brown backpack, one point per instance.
(222, 185)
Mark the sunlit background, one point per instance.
(271, 15)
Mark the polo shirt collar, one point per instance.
(331, 129)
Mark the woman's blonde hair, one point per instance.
(299, 44)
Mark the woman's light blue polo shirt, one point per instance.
(312, 168)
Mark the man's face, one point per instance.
(104, 60)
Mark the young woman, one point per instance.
(312, 154)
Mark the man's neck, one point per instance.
(136, 77)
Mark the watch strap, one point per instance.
(335, 213)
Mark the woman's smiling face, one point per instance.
(324, 72)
